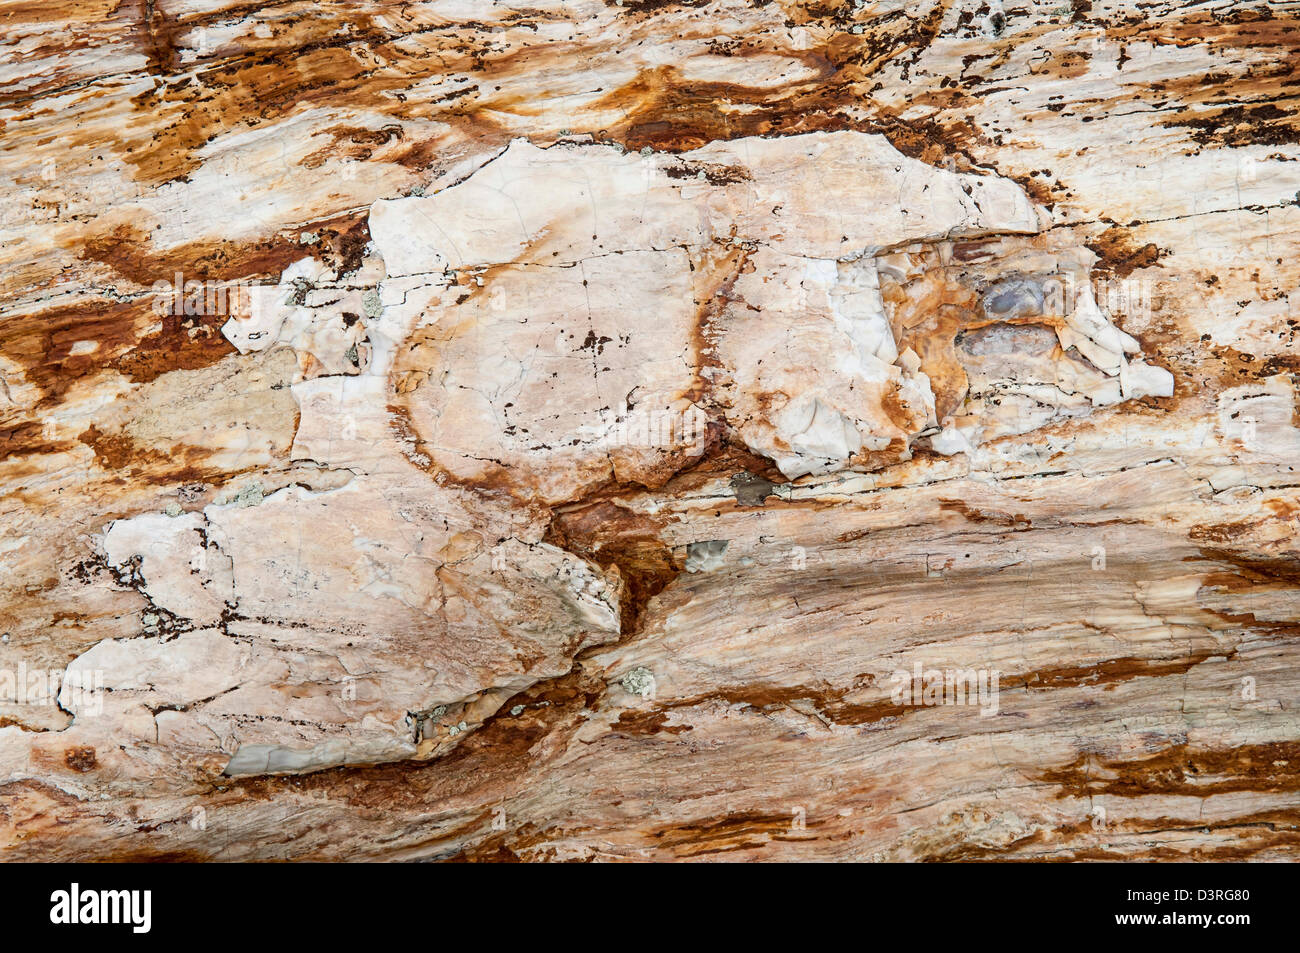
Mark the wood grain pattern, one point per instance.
(322, 326)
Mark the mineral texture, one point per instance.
(641, 430)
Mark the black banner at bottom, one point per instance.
(142, 903)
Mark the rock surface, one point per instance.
(616, 431)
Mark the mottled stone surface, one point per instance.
(610, 431)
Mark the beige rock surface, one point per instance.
(589, 431)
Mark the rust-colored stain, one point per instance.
(646, 723)
(732, 832)
(1182, 769)
(613, 536)
(1014, 521)
(1120, 256)
(80, 759)
(1108, 672)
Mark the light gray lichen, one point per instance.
(639, 681)
(250, 494)
(372, 304)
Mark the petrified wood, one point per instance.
(649, 430)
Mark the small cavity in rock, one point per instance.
(751, 489)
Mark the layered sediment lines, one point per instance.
(649, 431)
